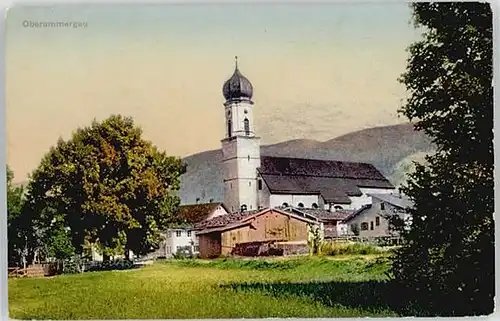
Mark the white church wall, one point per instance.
(237, 115)
(293, 200)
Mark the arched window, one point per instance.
(300, 205)
(284, 205)
(364, 226)
(314, 205)
(246, 124)
(243, 207)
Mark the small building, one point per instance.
(183, 237)
(330, 222)
(221, 235)
(372, 221)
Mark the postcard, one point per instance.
(203, 161)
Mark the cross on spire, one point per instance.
(236, 62)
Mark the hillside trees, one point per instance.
(447, 262)
(105, 186)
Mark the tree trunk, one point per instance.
(106, 257)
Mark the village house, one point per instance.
(224, 235)
(183, 237)
(372, 221)
(330, 223)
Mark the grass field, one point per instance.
(346, 286)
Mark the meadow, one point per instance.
(341, 286)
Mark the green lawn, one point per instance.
(299, 287)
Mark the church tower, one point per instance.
(240, 146)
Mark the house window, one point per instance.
(197, 248)
(246, 124)
(248, 157)
(168, 249)
(364, 226)
(260, 184)
(250, 183)
(229, 128)
(178, 233)
(284, 205)
(314, 205)
(300, 205)
(371, 225)
(377, 221)
(189, 233)
(243, 207)
(338, 207)
(169, 234)
(382, 206)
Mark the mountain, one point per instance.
(384, 147)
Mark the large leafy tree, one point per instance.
(15, 231)
(447, 262)
(106, 186)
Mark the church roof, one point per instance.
(238, 86)
(335, 181)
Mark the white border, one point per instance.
(4, 313)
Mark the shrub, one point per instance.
(338, 248)
(118, 264)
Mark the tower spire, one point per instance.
(236, 62)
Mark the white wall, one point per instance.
(172, 241)
(241, 158)
(276, 200)
(370, 215)
(218, 212)
(235, 111)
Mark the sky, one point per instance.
(318, 71)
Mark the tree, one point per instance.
(447, 261)
(107, 186)
(15, 233)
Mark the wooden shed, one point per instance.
(261, 226)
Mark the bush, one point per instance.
(118, 264)
(184, 252)
(338, 248)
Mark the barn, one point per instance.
(233, 233)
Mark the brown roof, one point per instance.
(335, 181)
(196, 213)
(322, 215)
(225, 222)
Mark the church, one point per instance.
(253, 182)
(270, 199)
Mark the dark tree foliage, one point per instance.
(447, 262)
(107, 187)
(15, 232)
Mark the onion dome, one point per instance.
(238, 86)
